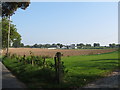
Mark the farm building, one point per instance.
(52, 48)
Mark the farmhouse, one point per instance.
(64, 47)
(52, 48)
(72, 46)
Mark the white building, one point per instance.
(64, 47)
(72, 46)
(52, 48)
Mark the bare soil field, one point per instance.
(51, 53)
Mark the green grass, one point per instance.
(81, 70)
(86, 68)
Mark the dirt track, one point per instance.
(111, 81)
(9, 81)
(51, 53)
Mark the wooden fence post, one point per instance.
(24, 59)
(56, 69)
(43, 62)
(32, 61)
(57, 59)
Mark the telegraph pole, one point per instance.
(8, 37)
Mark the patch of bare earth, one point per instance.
(51, 53)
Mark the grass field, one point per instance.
(83, 69)
(80, 69)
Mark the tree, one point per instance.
(28, 46)
(35, 46)
(17, 43)
(40, 45)
(60, 45)
(118, 45)
(96, 45)
(80, 45)
(112, 45)
(14, 35)
(47, 45)
(67, 47)
(53, 45)
(21, 45)
(8, 8)
(88, 45)
(0, 35)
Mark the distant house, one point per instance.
(52, 48)
(57, 46)
(64, 47)
(72, 46)
(76, 47)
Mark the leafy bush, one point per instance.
(32, 69)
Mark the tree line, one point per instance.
(79, 46)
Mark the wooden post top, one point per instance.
(58, 54)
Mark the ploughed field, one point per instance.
(51, 53)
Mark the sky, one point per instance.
(68, 23)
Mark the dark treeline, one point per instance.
(71, 46)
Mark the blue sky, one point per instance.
(68, 22)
